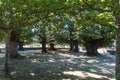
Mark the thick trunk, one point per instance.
(8, 38)
(7, 54)
(91, 49)
(118, 48)
(44, 44)
(14, 45)
(13, 49)
(76, 46)
(92, 46)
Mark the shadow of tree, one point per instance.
(63, 65)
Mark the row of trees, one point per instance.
(89, 23)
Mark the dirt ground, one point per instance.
(60, 65)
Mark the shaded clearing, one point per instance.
(60, 65)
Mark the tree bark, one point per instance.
(118, 55)
(91, 49)
(71, 42)
(14, 45)
(7, 54)
(71, 45)
(117, 44)
(92, 45)
(13, 49)
(117, 22)
(8, 37)
(20, 44)
(52, 47)
(76, 46)
(44, 44)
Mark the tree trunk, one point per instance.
(117, 43)
(52, 47)
(91, 49)
(92, 45)
(76, 46)
(7, 54)
(52, 42)
(14, 45)
(14, 49)
(44, 44)
(118, 55)
(71, 42)
(20, 44)
(71, 46)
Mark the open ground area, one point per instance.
(60, 65)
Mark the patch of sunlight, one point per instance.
(66, 79)
(92, 61)
(112, 79)
(51, 60)
(13, 72)
(35, 61)
(68, 60)
(93, 70)
(68, 55)
(109, 64)
(105, 71)
(2, 55)
(62, 60)
(75, 73)
(82, 65)
(71, 61)
(70, 68)
(83, 74)
(96, 75)
(102, 50)
(29, 52)
(32, 74)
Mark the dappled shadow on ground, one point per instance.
(63, 65)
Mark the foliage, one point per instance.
(26, 35)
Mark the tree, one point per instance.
(95, 25)
(42, 37)
(73, 39)
(19, 37)
(52, 42)
(11, 17)
(117, 22)
(14, 45)
(65, 32)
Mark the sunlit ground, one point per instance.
(60, 65)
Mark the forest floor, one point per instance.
(60, 65)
